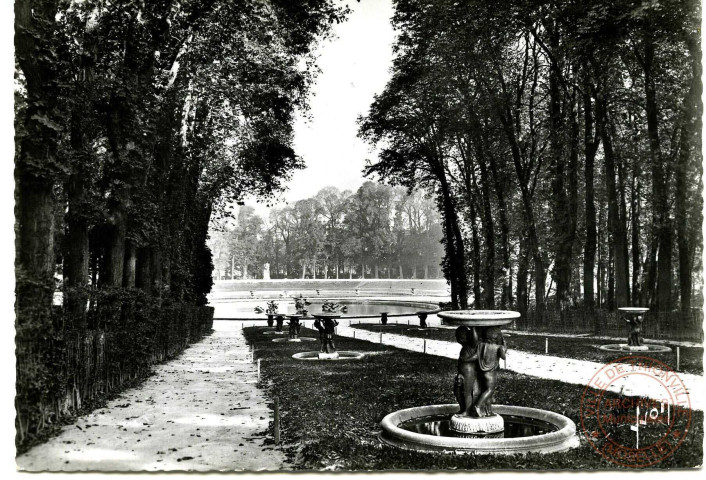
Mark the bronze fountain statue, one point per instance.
(326, 324)
(478, 365)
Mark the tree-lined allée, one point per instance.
(562, 141)
(136, 123)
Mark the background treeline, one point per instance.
(562, 141)
(376, 232)
(136, 121)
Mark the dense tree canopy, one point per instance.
(137, 122)
(376, 231)
(562, 141)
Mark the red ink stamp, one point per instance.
(644, 419)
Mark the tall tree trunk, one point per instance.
(36, 161)
(591, 142)
(129, 270)
(76, 257)
(489, 230)
(662, 222)
(616, 221)
(478, 300)
(635, 236)
(522, 272)
(500, 192)
(452, 222)
(689, 150)
(143, 276)
(560, 217)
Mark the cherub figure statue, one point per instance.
(635, 335)
(329, 330)
(490, 350)
(466, 387)
(294, 327)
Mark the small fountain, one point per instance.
(473, 424)
(294, 328)
(326, 323)
(423, 326)
(634, 317)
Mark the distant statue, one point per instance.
(266, 271)
(466, 387)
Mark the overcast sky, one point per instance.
(354, 66)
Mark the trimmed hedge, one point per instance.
(61, 372)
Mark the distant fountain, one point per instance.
(634, 317)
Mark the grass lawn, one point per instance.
(691, 358)
(330, 411)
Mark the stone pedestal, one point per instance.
(478, 426)
(634, 348)
(383, 318)
(327, 356)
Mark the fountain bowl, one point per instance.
(644, 348)
(294, 340)
(561, 434)
(342, 355)
(478, 318)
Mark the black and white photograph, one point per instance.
(353, 236)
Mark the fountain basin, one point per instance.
(478, 318)
(527, 430)
(294, 340)
(274, 332)
(342, 355)
(644, 348)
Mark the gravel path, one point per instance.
(199, 412)
(542, 366)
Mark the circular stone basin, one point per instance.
(273, 332)
(624, 348)
(342, 355)
(526, 430)
(478, 318)
(294, 340)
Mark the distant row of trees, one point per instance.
(562, 141)
(376, 231)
